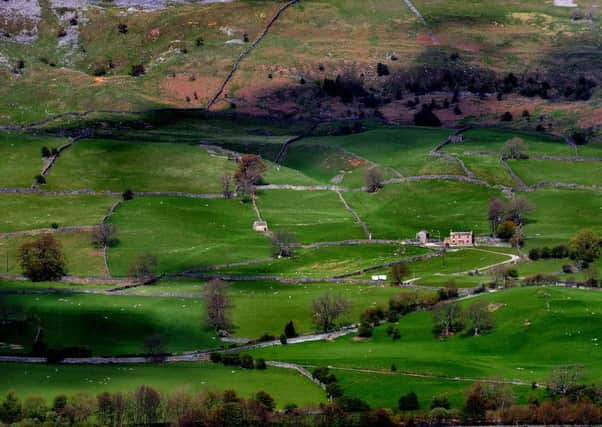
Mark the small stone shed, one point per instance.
(260, 226)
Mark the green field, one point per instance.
(493, 140)
(528, 341)
(399, 211)
(454, 268)
(286, 386)
(313, 216)
(534, 171)
(98, 321)
(560, 214)
(185, 233)
(82, 258)
(32, 211)
(329, 261)
(403, 149)
(488, 168)
(21, 157)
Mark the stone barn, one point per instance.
(423, 237)
(260, 226)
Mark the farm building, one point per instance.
(454, 139)
(459, 238)
(423, 237)
(260, 226)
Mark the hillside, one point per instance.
(455, 56)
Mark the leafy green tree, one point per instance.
(265, 399)
(585, 246)
(409, 402)
(42, 259)
(11, 409)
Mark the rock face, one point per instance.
(19, 20)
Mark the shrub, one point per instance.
(506, 230)
(409, 402)
(534, 254)
(215, 357)
(45, 151)
(506, 117)
(266, 400)
(137, 70)
(122, 28)
(289, 330)
(231, 359)
(382, 69)
(352, 404)
(266, 337)
(365, 330)
(246, 361)
(426, 117)
(283, 339)
(568, 269)
(40, 179)
(396, 335)
(334, 390)
(128, 194)
(393, 367)
(440, 401)
(260, 364)
(54, 225)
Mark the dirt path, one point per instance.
(248, 50)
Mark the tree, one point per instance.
(426, 117)
(283, 243)
(479, 316)
(565, 379)
(409, 402)
(398, 272)
(249, 172)
(218, 304)
(515, 148)
(495, 213)
(585, 246)
(327, 309)
(143, 269)
(505, 230)
(154, 345)
(227, 186)
(474, 408)
(447, 318)
(519, 206)
(374, 180)
(42, 259)
(128, 195)
(45, 152)
(146, 406)
(289, 330)
(266, 400)
(11, 408)
(104, 236)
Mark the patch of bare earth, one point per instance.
(495, 307)
(198, 89)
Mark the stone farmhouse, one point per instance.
(459, 238)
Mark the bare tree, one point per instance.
(327, 309)
(218, 304)
(144, 268)
(250, 171)
(517, 209)
(565, 379)
(154, 345)
(283, 244)
(374, 180)
(495, 213)
(515, 148)
(479, 316)
(104, 235)
(447, 318)
(227, 186)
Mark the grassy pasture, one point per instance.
(560, 214)
(33, 211)
(401, 210)
(488, 168)
(284, 385)
(110, 325)
(494, 139)
(185, 233)
(533, 171)
(139, 166)
(528, 341)
(403, 149)
(21, 157)
(82, 258)
(445, 270)
(329, 261)
(313, 216)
